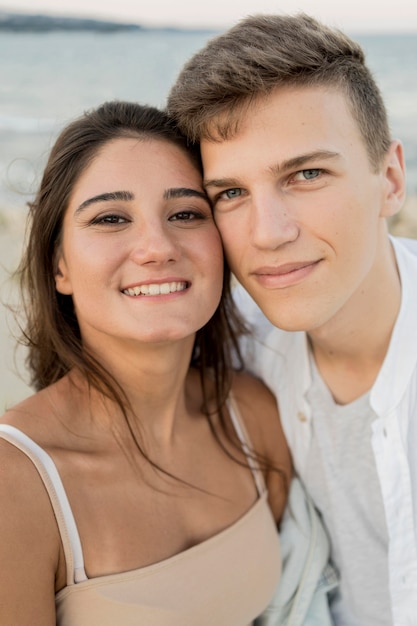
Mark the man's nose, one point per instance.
(272, 222)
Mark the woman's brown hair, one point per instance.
(51, 333)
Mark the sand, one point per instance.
(13, 378)
(12, 385)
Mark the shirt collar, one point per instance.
(401, 358)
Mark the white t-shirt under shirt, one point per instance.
(342, 479)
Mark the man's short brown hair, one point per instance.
(266, 52)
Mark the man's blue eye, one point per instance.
(233, 193)
(309, 174)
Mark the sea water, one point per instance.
(47, 79)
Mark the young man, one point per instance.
(303, 174)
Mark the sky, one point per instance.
(351, 15)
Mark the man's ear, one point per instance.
(62, 279)
(393, 171)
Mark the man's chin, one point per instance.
(288, 317)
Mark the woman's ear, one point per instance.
(393, 171)
(62, 279)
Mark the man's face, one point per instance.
(300, 207)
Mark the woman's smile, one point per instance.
(156, 289)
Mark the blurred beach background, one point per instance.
(46, 79)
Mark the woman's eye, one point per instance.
(185, 216)
(109, 219)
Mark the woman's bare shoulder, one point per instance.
(30, 547)
(43, 415)
(256, 402)
(17, 471)
(26, 412)
(21, 487)
(259, 410)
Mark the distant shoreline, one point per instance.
(40, 23)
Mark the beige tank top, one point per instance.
(226, 580)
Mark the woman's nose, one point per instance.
(154, 244)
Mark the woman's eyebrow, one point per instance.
(105, 197)
(184, 192)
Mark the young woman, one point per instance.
(143, 482)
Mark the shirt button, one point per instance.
(301, 416)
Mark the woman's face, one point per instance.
(140, 253)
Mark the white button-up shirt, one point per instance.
(280, 358)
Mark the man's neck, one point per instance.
(350, 350)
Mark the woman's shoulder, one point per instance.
(255, 400)
(30, 546)
(26, 415)
(20, 483)
(259, 411)
(44, 415)
(15, 465)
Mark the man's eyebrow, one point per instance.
(125, 196)
(291, 164)
(222, 182)
(297, 162)
(184, 192)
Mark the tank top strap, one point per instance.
(51, 479)
(243, 436)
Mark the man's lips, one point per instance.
(285, 268)
(284, 275)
